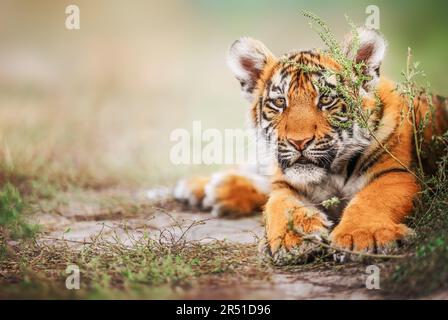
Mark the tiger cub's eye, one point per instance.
(280, 102)
(324, 100)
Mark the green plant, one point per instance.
(12, 207)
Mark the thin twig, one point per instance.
(66, 240)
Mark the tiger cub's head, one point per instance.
(295, 103)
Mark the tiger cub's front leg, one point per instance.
(372, 221)
(286, 207)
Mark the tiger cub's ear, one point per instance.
(247, 59)
(369, 48)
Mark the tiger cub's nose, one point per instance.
(300, 145)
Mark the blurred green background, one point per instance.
(100, 102)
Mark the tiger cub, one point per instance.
(316, 159)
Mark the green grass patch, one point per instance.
(12, 208)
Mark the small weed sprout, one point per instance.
(411, 92)
(331, 203)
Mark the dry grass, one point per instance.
(111, 269)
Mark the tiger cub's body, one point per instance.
(366, 168)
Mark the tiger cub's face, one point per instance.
(296, 107)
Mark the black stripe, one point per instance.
(379, 111)
(339, 132)
(350, 132)
(387, 171)
(372, 159)
(286, 185)
(352, 165)
(312, 54)
(260, 110)
(294, 83)
(265, 117)
(376, 154)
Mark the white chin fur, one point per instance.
(303, 175)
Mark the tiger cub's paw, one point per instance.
(285, 247)
(232, 194)
(300, 253)
(227, 194)
(191, 191)
(373, 237)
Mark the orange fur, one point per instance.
(238, 195)
(374, 216)
(283, 206)
(197, 186)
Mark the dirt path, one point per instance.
(80, 223)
